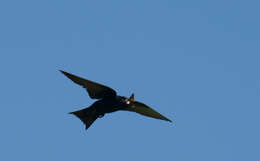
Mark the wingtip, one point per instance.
(65, 73)
(169, 121)
(62, 71)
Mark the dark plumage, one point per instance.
(108, 102)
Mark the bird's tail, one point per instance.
(87, 116)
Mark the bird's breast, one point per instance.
(107, 106)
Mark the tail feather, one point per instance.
(87, 116)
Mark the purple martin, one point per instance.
(108, 101)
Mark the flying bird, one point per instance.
(107, 101)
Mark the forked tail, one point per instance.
(87, 116)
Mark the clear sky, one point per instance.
(196, 62)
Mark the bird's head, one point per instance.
(130, 100)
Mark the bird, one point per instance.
(107, 102)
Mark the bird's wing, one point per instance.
(94, 89)
(146, 111)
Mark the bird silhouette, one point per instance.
(108, 101)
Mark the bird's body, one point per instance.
(108, 102)
(109, 105)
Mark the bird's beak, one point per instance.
(132, 99)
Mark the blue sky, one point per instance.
(196, 62)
